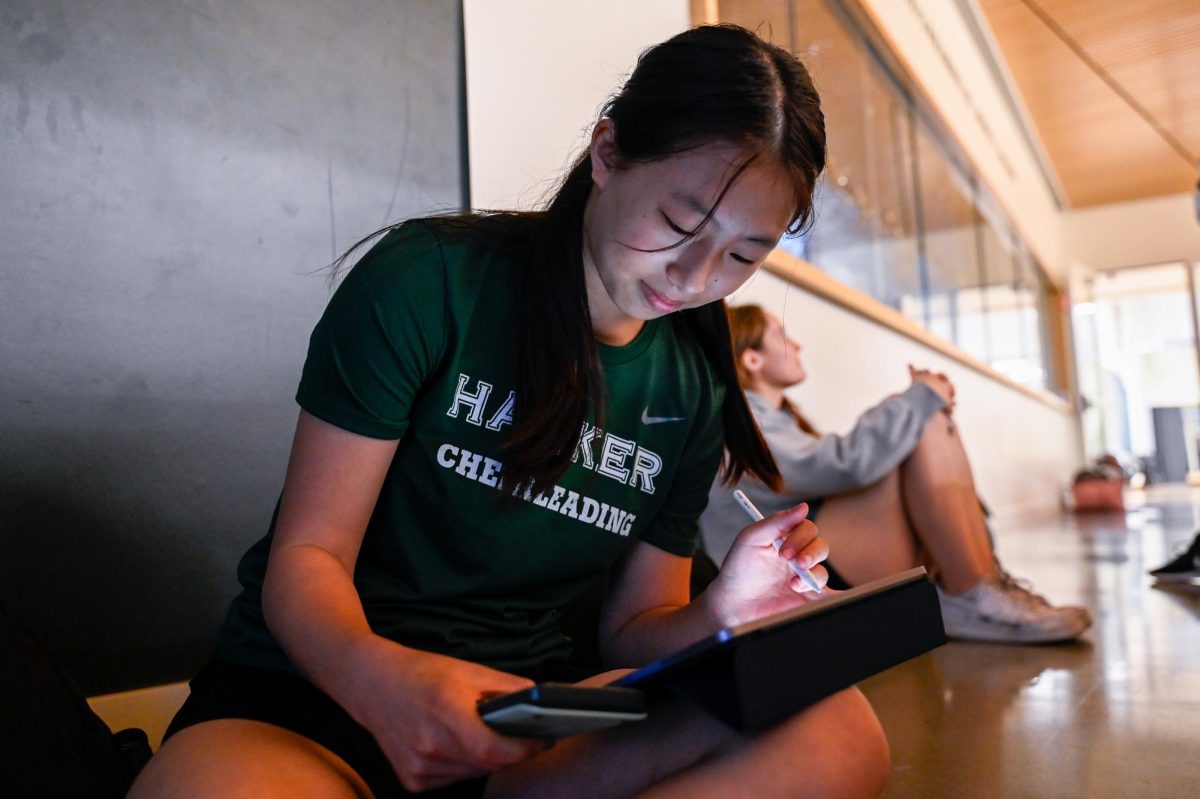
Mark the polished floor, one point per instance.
(1115, 715)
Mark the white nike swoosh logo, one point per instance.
(648, 419)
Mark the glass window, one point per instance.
(899, 214)
(949, 224)
(1031, 299)
(865, 230)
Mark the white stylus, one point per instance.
(755, 514)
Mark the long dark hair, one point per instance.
(717, 83)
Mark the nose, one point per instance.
(689, 270)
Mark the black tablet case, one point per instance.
(765, 676)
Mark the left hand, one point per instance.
(937, 382)
(755, 580)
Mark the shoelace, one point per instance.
(1020, 587)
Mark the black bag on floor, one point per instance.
(51, 743)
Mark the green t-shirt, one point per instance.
(419, 344)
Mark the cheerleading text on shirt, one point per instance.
(606, 453)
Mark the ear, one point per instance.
(752, 361)
(603, 151)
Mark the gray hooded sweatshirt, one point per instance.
(815, 467)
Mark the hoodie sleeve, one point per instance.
(817, 466)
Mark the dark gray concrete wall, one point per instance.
(172, 175)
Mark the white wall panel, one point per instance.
(1022, 450)
(538, 72)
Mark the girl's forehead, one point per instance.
(714, 162)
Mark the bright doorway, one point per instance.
(1139, 368)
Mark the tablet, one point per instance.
(755, 674)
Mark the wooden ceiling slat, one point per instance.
(1101, 148)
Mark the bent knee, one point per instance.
(853, 757)
(861, 742)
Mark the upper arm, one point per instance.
(379, 339)
(333, 481)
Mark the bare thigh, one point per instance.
(234, 758)
(834, 748)
(868, 531)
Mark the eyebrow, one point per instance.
(700, 208)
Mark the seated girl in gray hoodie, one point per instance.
(895, 492)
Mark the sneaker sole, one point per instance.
(1004, 633)
(1013, 636)
(1178, 577)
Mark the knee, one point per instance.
(850, 754)
(940, 434)
(889, 484)
(866, 746)
(232, 759)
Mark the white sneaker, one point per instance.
(1004, 610)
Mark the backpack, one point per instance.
(51, 743)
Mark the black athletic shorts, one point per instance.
(224, 690)
(836, 581)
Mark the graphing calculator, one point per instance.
(559, 710)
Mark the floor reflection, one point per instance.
(1116, 715)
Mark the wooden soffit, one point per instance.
(1102, 150)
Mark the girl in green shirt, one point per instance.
(708, 154)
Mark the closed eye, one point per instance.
(671, 224)
(740, 258)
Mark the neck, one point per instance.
(771, 393)
(609, 325)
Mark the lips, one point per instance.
(657, 301)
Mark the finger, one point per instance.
(804, 548)
(811, 553)
(797, 539)
(504, 683)
(418, 774)
(505, 751)
(764, 533)
(501, 684)
(819, 574)
(428, 782)
(498, 750)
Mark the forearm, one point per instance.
(312, 608)
(658, 632)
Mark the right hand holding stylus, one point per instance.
(755, 579)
